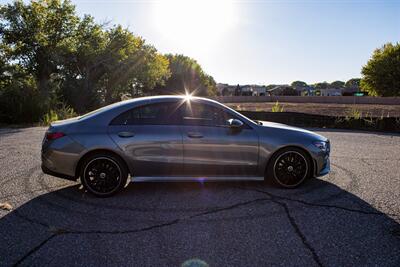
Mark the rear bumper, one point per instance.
(59, 157)
(56, 174)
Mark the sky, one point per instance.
(260, 41)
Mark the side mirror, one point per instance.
(235, 123)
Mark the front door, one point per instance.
(211, 148)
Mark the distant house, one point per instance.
(253, 90)
(283, 89)
(330, 92)
(259, 90)
(246, 90)
(305, 90)
(224, 89)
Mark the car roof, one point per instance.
(162, 98)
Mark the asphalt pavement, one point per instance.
(348, 218)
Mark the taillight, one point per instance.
(55, 135)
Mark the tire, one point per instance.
(289, 167)
(103, 174)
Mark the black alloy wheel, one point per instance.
(103, 175)
(290, 167)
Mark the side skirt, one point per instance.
(195, 179)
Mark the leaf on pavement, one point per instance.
(5, 206)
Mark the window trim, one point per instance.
(181, 119)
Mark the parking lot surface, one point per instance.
(348, 218)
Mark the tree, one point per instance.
(299, 84)
(238, 90)
(337, 84)
(74, 60)
(270, 86)
(109, 64)
(38, 36)
(353, 83)
(84, 67)
(323, 85)
(381, 74)
(288, 90)
(187, 76)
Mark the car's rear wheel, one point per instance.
(103, 175)
(289, 168)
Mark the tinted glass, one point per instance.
(166, 113)
(206, 115)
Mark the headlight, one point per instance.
(324, 146)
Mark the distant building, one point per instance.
(224, 89)
(259, 90)
(305, 90)
(283, 89)
(330, 92)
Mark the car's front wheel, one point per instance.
(289, 168)
(103, 174)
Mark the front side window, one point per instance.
(166, 113)
(205, 115)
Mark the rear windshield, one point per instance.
(99, 110)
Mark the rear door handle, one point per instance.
(194, 135)
(126, 134)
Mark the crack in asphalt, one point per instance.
(271, 197)
(34, 250)
(228, 208)
(299, 233)
(311, 204)
(57, 232)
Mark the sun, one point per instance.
(194, 22)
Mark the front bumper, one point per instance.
(326, 168)
(322, 164)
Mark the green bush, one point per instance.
(61, 113)
(20, 104)
(49, 117)
(277, 107)
(353, 114)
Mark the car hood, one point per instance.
(291, 129)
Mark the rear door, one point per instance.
(211, 148)
(150, 136)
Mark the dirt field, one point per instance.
(324, 109)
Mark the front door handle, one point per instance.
(194, 135)
(126, 134)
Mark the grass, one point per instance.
(277, 107)
(61, 113)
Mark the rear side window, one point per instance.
(167, 113)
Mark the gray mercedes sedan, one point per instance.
(176, 138)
